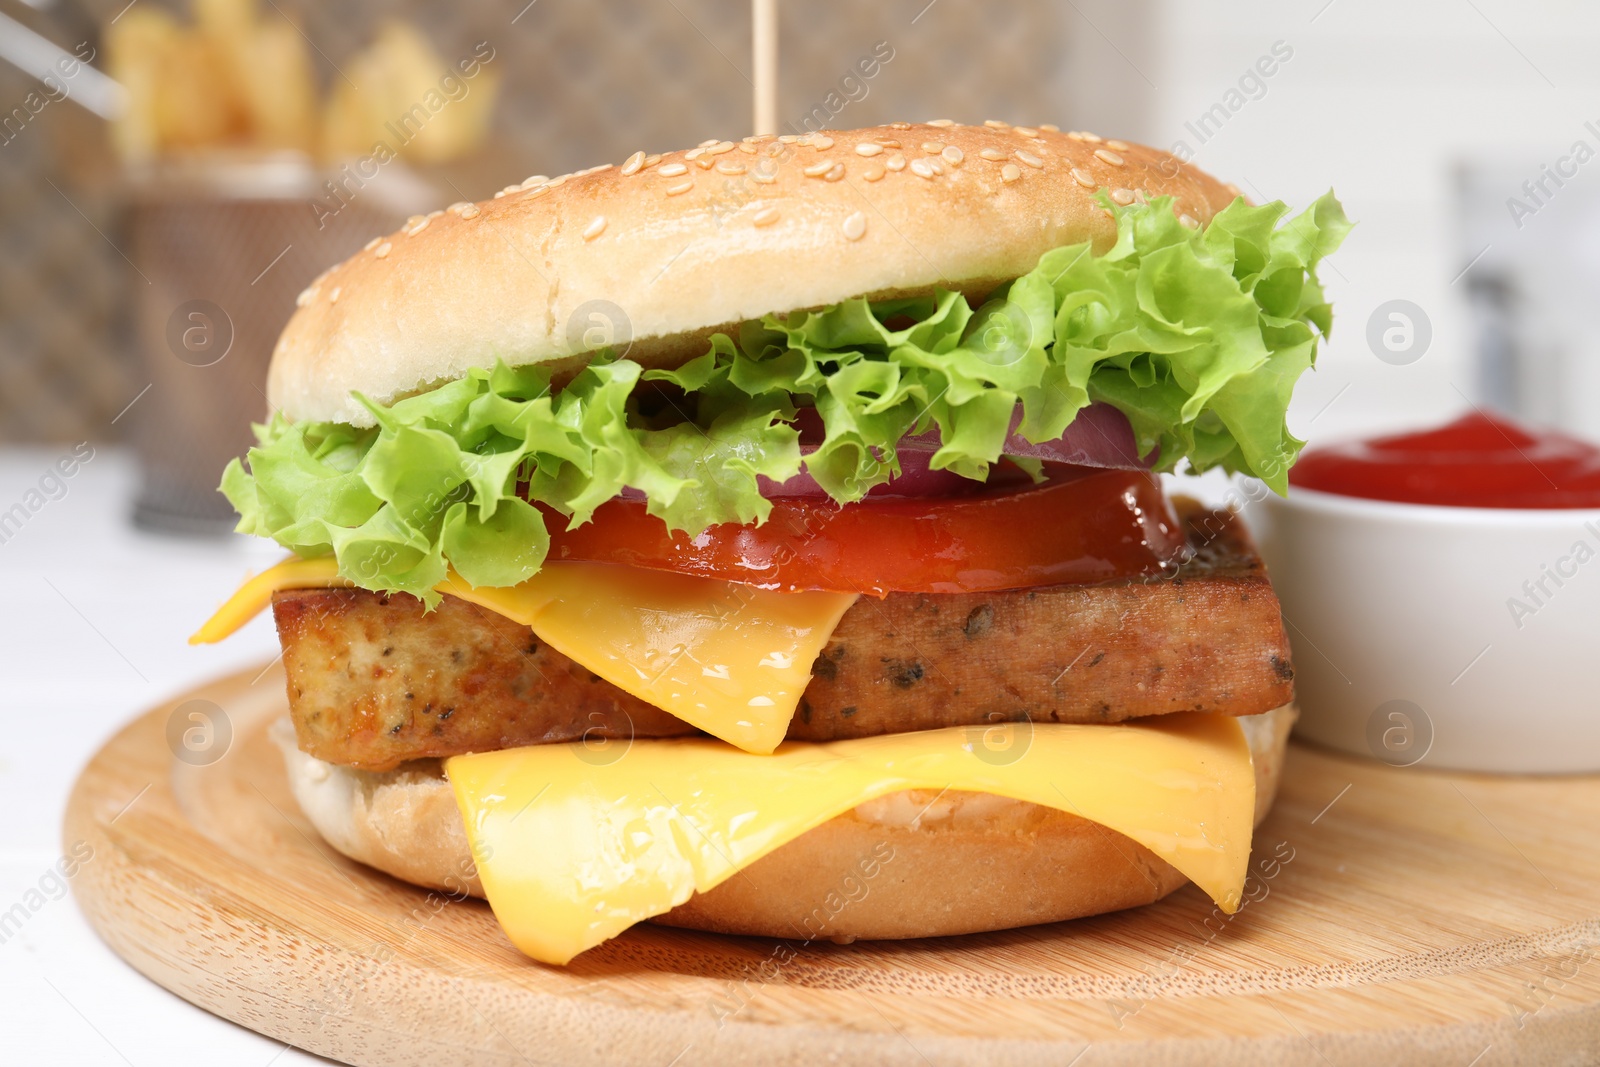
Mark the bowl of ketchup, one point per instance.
(1442, 594)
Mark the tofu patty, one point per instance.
(374, 681)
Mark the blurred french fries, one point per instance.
(406, 97)
(235, 79)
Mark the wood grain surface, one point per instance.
(1393, 916)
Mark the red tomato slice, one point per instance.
(1084, 525)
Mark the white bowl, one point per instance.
(1464, 638)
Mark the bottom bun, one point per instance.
(914, 864)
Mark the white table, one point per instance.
(94, 632)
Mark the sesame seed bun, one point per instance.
(663, 250)
(932, 865)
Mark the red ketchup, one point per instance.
(1478, 461)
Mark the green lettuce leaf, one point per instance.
(1198, 336)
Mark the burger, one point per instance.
(770, 538)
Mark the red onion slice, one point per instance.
(916, 479)
(1100, 436)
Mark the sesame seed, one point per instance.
(1074, 135)
(634, 163)
(1010, 172)
(855, 226)
(412, 221)
(508, 190)
(470, 211)
(1108, 157)
(939, 122)
(703, 162)
(872, 174)
(432, 215)
(708, 144)
(952, 155)
(994, 155)
(765, 217)
(867, 148)
(1189, 221)
(370, 245)
(821, 143)
(834, 173)
(1052, 127)
(817, 170)
(455, 209)
(1092, 138)
(1122, 196)
(787, 138)
(536, 192)
(596, 227)
(996, 124)
(680, 188)
(922, 168)
(1120, 146)
(560, 179)
(672, 170)
(382, 250)
(720, 148)
(730, 166)
(1025, 131)
(888, 142)
(748, 147)
(896, 162)
(1083, 178)
(1029, 158)
(532, 180)
(695, 153)
(933, 148)
(899, 125)
(333, 297)
(652, 159)
(420, 225)
(304, 296)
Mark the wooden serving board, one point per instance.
(1394, 916)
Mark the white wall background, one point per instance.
(1382, 101)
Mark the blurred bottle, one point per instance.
(1531, 230)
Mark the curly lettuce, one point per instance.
(1197, 336)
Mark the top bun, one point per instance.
(664, 250)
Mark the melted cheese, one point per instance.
(725, 657)
(254, 596)
(728, 658)
(572, 850)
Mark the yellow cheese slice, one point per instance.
(572, 850)
(255, 595)
(727, 658)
